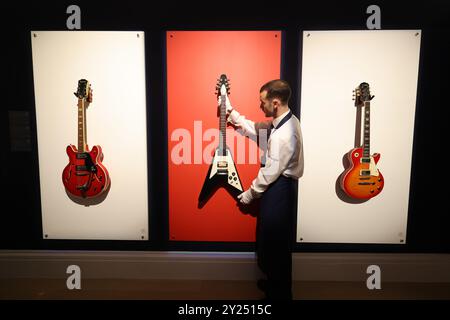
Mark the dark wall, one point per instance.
(20, 222)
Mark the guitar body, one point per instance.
(222, 172)
(85, 176)
(362, 179)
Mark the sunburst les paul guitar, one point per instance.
(222, 171)
(85, 176)
(362, 179)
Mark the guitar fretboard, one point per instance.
(81, 125)
(366, 143)
(223, 126)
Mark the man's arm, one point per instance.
(248, 127)
(277, 160)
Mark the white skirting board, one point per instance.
(414, 268)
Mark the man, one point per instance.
(275, 184)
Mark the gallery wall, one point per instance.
(22, 226)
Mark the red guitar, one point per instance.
(362, 179)
(84, 176)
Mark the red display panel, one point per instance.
(195, 60)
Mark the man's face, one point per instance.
(266, 106)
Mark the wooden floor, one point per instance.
(211, 290)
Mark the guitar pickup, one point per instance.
(222, 164)
(365, 173)
(86, 168)
(82, 155)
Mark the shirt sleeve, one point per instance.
(279, 154)
(248, 127)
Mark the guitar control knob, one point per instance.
(230, 177)
(234, 178)
(234, 173)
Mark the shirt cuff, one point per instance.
(233, 117)
(255, 194)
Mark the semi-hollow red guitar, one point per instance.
(84, 176)
(362, 179)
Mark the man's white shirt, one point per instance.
(284, 154)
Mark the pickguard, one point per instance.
(372, 168)
(224, 165)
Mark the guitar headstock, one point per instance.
(362, 94)
(223, 85)
(84, 90)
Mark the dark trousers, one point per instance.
(275, 235)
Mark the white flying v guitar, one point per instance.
(222, 171)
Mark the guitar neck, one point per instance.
(223, 126)
(366, 143)
(82, 134)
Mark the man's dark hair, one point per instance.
(277, 89)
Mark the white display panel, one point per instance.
(114, 63)
(333, 64)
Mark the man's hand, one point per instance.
(227, 103)
(246, 197)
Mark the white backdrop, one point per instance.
(333, 64)
(114, 63)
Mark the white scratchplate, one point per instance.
(230, 167)
(373, 168)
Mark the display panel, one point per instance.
(195, 61)
(114, 123)
(358, 195)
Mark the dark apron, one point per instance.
(275, 230)
(275, 233)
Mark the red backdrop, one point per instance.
(195, 60)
